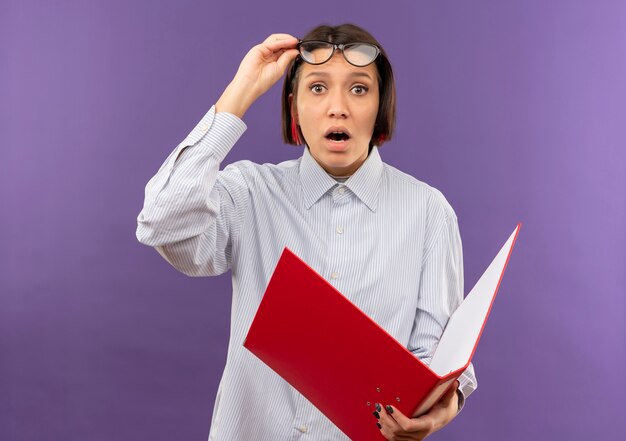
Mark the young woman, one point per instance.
(387, 241)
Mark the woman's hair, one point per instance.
(342, 34)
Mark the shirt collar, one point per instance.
(364, 183)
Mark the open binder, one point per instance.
(343, 362)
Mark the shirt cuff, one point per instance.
(467, 385)
(217, 132)
(230, 128)
(461, 397)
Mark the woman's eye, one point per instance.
(317, 88)
(359, 90)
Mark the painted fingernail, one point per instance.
(378, 408)
(379, 426)
(377, 415)
(389, 408)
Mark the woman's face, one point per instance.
(336, 108)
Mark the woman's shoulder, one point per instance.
(257, 174)
(266, 168)
(419, 191)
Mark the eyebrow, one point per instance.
(326, 74)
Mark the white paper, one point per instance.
(465, 326)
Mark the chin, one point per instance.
(338, 160)
(340, 168)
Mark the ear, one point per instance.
(294, 110)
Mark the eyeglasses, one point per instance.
(319, 52)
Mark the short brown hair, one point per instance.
(342, 34)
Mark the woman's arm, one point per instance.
(441, 292)
(192, 212)
(441, 286)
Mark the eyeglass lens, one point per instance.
(358, 54)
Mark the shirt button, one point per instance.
(339, 230)
(204, 127)
(341, 190)
(334, 276)
(303, 429)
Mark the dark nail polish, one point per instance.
(378, 408)
(377, 415)
(379, 426)
(389, 408)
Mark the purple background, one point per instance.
(515, 110)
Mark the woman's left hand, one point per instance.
(397, 426)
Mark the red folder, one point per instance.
(343, 362)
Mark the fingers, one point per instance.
(423, 423)
(394, 425)
(273, 48)
(285, 58)
(281, 48)
(274, 37)
(280, 41)
(449, 396)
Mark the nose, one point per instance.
(337, 105)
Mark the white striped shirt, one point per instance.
(387, 241)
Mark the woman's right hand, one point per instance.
(259, 70)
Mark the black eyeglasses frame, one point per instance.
(336, 47)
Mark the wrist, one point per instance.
(236, 99)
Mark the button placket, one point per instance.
(335, 244)
(341, 215)
(300, 421)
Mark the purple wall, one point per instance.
(515, 110)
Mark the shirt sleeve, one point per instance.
(441, 287)
(192, 212)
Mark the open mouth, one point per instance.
(338, 136)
